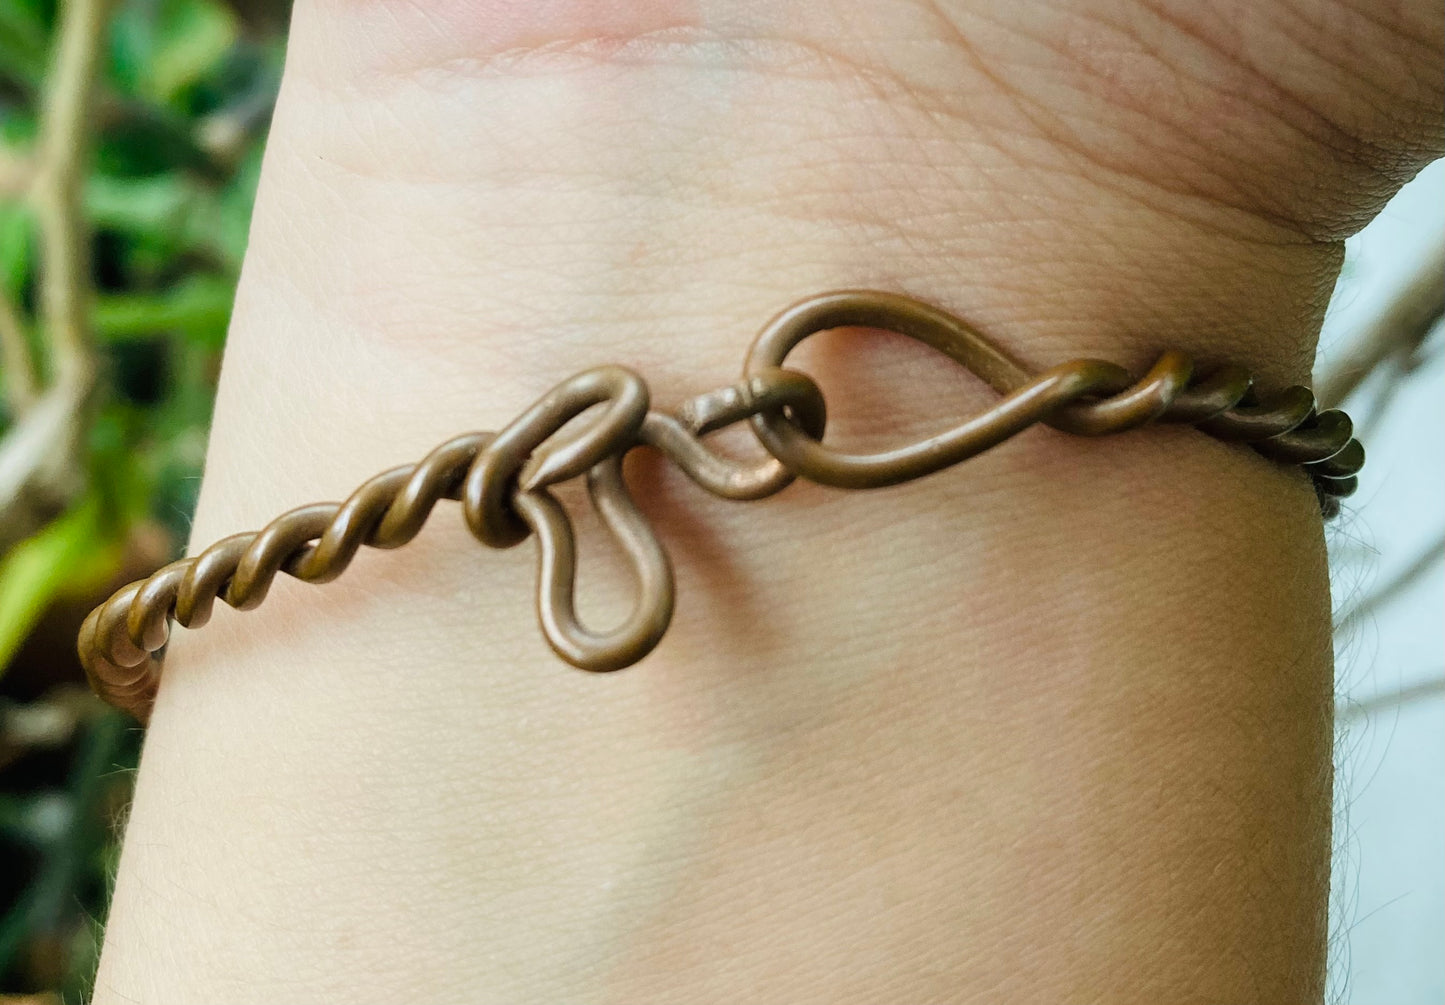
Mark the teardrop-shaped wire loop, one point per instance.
(643, 628)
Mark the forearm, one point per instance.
(1053, 725)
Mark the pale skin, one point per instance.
(1051, 726)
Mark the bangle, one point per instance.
(502, 479)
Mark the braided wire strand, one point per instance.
(502, 479)
(313, 543)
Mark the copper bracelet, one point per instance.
(502, 479)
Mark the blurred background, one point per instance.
(131, 135)
(130, 142)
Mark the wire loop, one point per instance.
(651, 613)
(499, 468)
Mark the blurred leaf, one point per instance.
(171, 214)
(160, 50)
(24, 40)
(143, 139)
(132, 37)
(17, 126)
(15, 246)
(73, 554)
(123, 461)
(155, 204)
(195, 34)
(199, 309)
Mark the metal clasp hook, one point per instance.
(680, 436)
(1027, 398)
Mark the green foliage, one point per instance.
(71, 555)
(16, 255)
(160, 50)
(197, 307)
(181, 110)
(24, 40)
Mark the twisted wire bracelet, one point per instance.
(502, 479)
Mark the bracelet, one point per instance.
(502, 479)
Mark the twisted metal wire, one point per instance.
(503, 479)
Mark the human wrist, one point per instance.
(411, 686)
